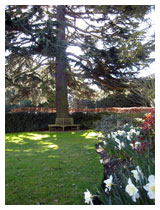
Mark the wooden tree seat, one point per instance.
(63, 123)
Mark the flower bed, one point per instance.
(112, 109)
(130, 166)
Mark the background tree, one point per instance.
(142, 95)
(39, 38)
(144, 92)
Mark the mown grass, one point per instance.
(51, 168)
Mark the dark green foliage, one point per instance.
(123, 51)
(114, 100)
(9, 107)
(133, 99)
(144, 93)
(86, 120)
(112, 121)
(25, 103)
(141, 96)
(22, 121)
(33, 46)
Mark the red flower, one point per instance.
(148, 138)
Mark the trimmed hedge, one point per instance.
(23, 121)
(86, 120)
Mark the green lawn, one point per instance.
(51, 168)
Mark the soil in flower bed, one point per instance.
(111, 166)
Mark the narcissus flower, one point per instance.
(135, 145)
(132, 190)
(137, 173)
(101, 161)
(108, 183)
(150, 187)
(88, 197)
(104, 142)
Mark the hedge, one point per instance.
(25, 122)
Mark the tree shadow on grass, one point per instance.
(43, 142)
(38, 163)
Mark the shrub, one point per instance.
(86, 120)
(112, 121)
(23, 121)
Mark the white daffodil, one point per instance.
(108, 183)
(132, 190)
(150, 187)
(138, 133)
(121, 133)
(133, 130)
(104, 142)
(126, 125)
(101, 161)
(135, 145)
(120, 144)
(109, 135)
(128, 136)
(137, 173)
(88, 197)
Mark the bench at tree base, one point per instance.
(63, 123)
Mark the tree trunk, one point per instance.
(61, 83)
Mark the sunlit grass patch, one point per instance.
(51, 168)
